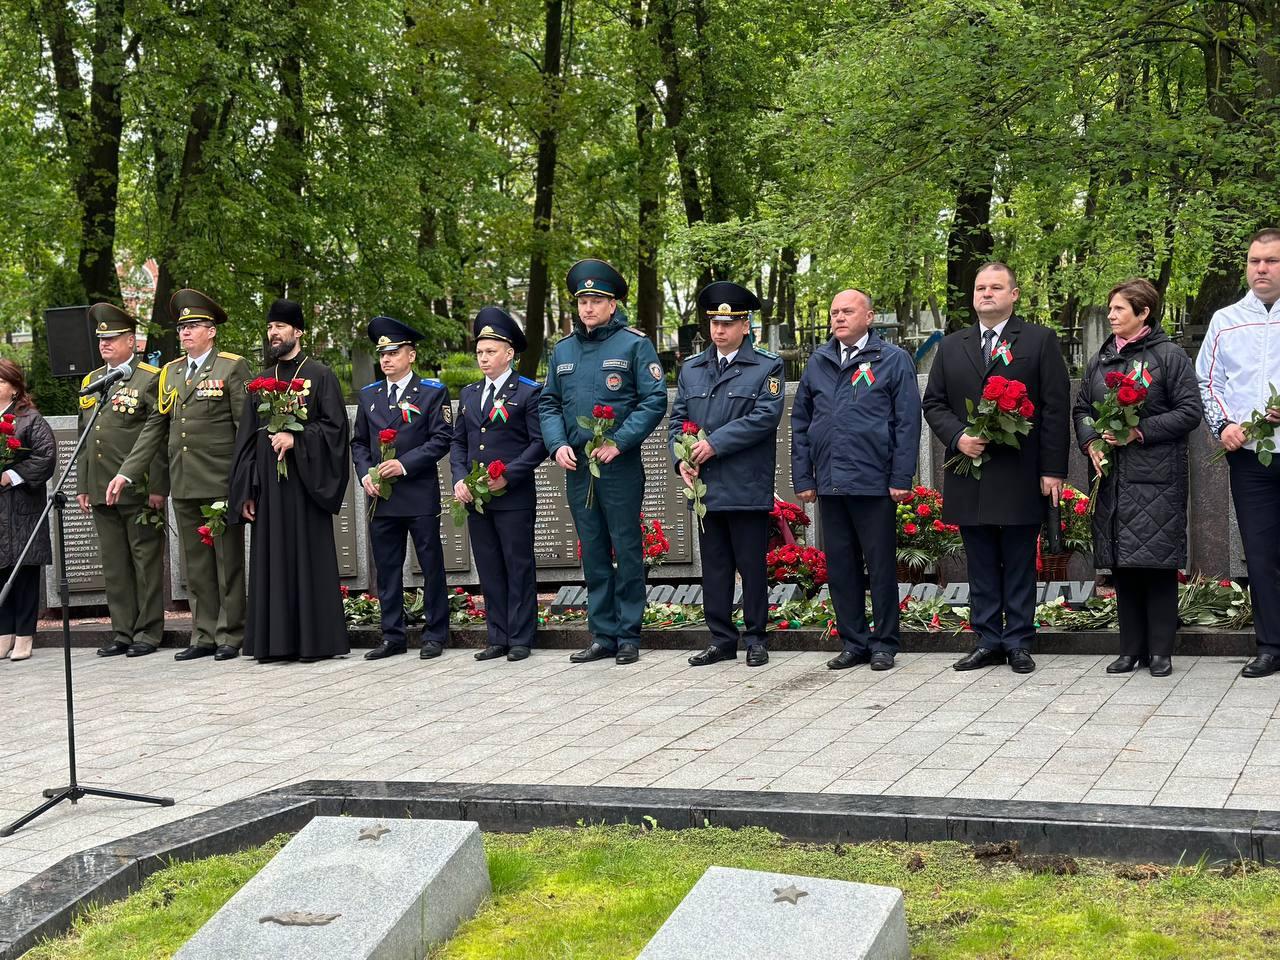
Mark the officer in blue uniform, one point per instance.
(605, 362)
(418, 410)
(734, 392)
(498, 420)
(855, 434)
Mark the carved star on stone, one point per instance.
(373, 833)
(788, 894)
(300, 918)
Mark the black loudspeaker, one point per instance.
(73, 349)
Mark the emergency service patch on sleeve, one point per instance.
(655, 371)
(775, 386)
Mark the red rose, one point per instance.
(1225, 583)
(922, 491)
(1016, 389)
(253, 385)
(386, 436)
(296, 384)
(1026, 409)
(1007, 402)
(6, 428)
(204, 531)
(459, 591)
(1113, 379)
(1081, 507)
(1001, 382)
(1127, 394)
(909, 528)
(924, 510)
(939, 526)
(597, 411)
(1141, 392)
(993, 390)
(784, 625)
(690, 428)
(13, 443)
(1068, 493)
(344, 590)
(7, 418)
(496, 469)
(606, 412)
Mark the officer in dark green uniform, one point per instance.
(605, 362)
(200, 400)
(132, 552)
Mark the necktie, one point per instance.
(487, 407)
(987, 337)
(724, 365)
(845, 354)
(395, 393)
(191, 370)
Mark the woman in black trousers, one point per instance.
(1140, 512)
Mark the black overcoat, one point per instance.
(22, 505)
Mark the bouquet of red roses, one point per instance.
(690, 434)
(215, 522)
(656, 544)
(1117, 412)
(601, 419)
(1002, 415)
(478, 481)
(1259, 428)
(804, 566)
(12, 446)
(786, 523)
(283, 403)
(386, 451)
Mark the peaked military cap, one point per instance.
(595, 278)
(286, 311)
(110, 321)
(388, 334)
(188, 306)
(724, 299)
(494, 323)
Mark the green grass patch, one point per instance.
(600, 893)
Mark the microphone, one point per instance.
(102, 383)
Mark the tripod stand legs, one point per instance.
(74, 794)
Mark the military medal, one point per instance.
(1141, 371)
(1004, 353)
(408, 410)
(864, 374)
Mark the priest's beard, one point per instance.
(278, 351)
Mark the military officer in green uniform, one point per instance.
(604, 362)
(131, 548)
(200, 399)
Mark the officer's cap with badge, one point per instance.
(109, 321)
(389, 334)
(725, 301)
(494, 323)
(192, 306)
(286, 311)
(595, 278)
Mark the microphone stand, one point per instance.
(74, 790)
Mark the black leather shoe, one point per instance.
(846, 659)
(430, 650)
(593, 652)
(518, 653)
(978, 658)
(712, 654)
(882, 660)
(491, 652)
(1263, 665)
(757, 655)
(627, 653)
(1122, 665)
(194, 653)
(383, 649)
(1020, 661)
(225, 652)
(140, 649)
(1161, 666)
(113, 648)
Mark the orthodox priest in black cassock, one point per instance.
(295, 606)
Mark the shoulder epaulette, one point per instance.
(428, 382)
(230, 356)
(148, 367)
(176, 362)
(85, 381)
(767, 353)
(529, 383)
(370, 386)
(636, 330)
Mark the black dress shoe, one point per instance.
(225, 652)
(846, 659)
(712, 654)
(757, 655)
(383, 649)
(194, 653)
(430, 650)
(882, 660)
(1020, 661)
(979, 657)
(113, 648)
(140, 649)
(491, 652)
(518, 653)
(628, 653)
(593, 652)
(1263, 665)
(1161, 666)
(1122, 665)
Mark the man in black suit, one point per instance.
(418, 410)
(1000, 514)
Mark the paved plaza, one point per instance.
(207, 733)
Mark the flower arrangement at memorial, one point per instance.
(1075, 512)
(1259, 429)
(362, 610)
(1001, 416)
(1206, 602)
(463, 608)
(786, 523)
(800, 614)
(600, 421)
(804, 566)
(215, 522)
(671, 616)
(284, 404)
(656, 544)
(386, 451)
(923, 537)
(479, 481)
(12, 447)
(690, 435)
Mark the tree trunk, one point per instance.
(648, 296)
(290, 160)
(969, 244)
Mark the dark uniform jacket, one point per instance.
(1009, 491)
(740, 413)
(127, 408)
(21, 505)
(856, 433)
(420, 442)
(1140, 513)
(516, 441)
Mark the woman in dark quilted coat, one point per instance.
(1140, 512)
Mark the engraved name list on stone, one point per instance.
(84, 568)
(663, 498)
(555, 538)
